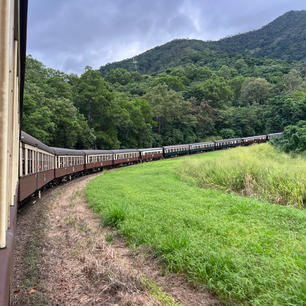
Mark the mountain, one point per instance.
(283, 38)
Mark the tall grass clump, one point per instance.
(260, 171)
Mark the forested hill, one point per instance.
(283, 38)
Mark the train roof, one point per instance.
(280, 133)
(200, 143)
(97, 152)
(150, 149)
(28, 139)
(125, 150)
(64, 151)
(228, 139)
(253, 137)
(175, 146)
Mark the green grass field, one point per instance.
(247, 251)
(260, 171)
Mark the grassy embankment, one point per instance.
(247, 251)
(260, 171)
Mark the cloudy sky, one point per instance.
(70, 34)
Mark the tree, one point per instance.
(119, 75)
(173, 82)
(255, 90)
(49, 113)
(170, 111)
(96, 102)
(293, 80)
(293, 138)
(216, 90)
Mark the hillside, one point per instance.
(283, 38)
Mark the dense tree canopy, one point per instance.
(207, 95)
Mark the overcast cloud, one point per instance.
(70, 34)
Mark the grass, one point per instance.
(161, 296)
(259, 171)
(247, 251)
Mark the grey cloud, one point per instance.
(70, 34)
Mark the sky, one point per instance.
(69, 34)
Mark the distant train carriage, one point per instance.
(227, 143)
(98, 158)
(126, 156)
(253, 139)
(201, 147)
(151, 154)
(36, 165)
(176, 150)
(273, 135)
(68, 161)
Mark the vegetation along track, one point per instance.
(249, 252)
(64, 257)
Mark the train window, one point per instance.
(23, 161)
(45, 158)
(29, 161)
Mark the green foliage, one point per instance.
(214, 89)
(114, 216)
(173, 82)
(49, 113)
(227, 133)
(118, 75)
(255, 90)
(134, 122)
(284, 37)
(248, 252)
(170, 109)
(96, 102)
(293, 138)
(284, 111)
(259, 171)
(193, 92)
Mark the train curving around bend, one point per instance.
(27, 165)
(41, 165)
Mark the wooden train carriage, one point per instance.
(68, 161)
(201, 147)
(176, 150)
(126, 156)
(253, 139)
(273, 135)
(98, 158)
(36, 165)
(13, 20)
(227, 143)
(151, 153)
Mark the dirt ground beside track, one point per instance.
(64, 256)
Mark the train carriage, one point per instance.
(68, 161)
(126, 156)
(201, 147)
(227, 143)
(151, 154)
(98, 158)
(253, 139)
(176, 150)
(273, 135)
(36, 165)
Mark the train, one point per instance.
(41, 165)
(27, 165)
